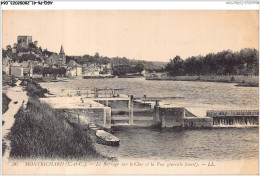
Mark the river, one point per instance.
(217, 143)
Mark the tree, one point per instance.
(8, 47)
(38, 59)
(139, 68)
(62, 71)
(32, 45)
(38, 70)
(47, 70)
(175, 67)
(96, 55)
(40, 49)
(121, 70)
(45, 51)
(68, 58)
(225, 62)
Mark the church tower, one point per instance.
(62, 56)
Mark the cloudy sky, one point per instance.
(146, 35)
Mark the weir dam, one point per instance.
(105, 108)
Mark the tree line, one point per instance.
(244, 62)
(115, 61)
(122, 70)
(39, 70)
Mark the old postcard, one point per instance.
(129, 91)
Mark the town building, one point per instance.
(16, 69)
(74, 71)
(21, 69)
(14, 50)
(27, 68)
(62, 56)
(106, 69)
(24, 41)
(53, 59)
(22, 53)
(91, 70)
(95, 69)
(57, 59)
(6, 62)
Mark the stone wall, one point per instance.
(171, 117)
(99, 116)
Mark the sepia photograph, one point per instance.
(130, 92)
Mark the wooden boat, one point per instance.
(106, 138)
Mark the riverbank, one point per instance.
(8, 81)
(39, 131)
(243, 81)
(44, 79)
(17, 96)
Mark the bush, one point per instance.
(35, 90)
(9, 80)
(3, 147)
(5, 102)
(40, 131)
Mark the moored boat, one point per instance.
(106, 138)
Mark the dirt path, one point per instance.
(17, 96)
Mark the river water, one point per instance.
(217, 143)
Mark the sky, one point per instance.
(145, 35)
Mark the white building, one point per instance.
(16, 69)
(74, 71)
(6, 63)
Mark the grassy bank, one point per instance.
(5, 104)
(7, 80)
(41, 131)
(241, 80)
(33, 88)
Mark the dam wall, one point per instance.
(108, 111)
(171, 116)
(101, 116)
(234, 117)
(128, 111)
(197, 122)
(181, 117)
